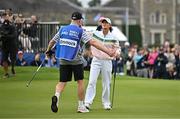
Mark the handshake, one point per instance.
(113, 53)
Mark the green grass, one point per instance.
(134, 97)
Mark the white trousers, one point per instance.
(97, 66)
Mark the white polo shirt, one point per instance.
(109, 40)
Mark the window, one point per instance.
(163, 18)
(178, 1)
(158, 18)
(152, 18)
(157, 38)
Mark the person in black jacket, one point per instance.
(9, 47)
(160, 65)
(177, 65)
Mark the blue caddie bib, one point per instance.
(68, 44)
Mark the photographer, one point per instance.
(160, 71)
(9, 44)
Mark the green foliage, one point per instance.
(77, 3)
(94, 3)
(134, 97)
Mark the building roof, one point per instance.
(61, 10)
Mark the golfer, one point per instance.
(101, 62)
(68, 42)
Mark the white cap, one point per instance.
(20, 52)
(106, 19)
(100, 19)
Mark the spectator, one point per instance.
(120, 64)
(177, 64)
(171, 62)
(9, 12)
(19, 26)
(130, 67)
(50, 61)
(137, 57)
(37, 60)
(3, 16)
(25, 41)
(8, 37)
(20, 60)
(160, 65)
(151, 59)
(33, 32)
(125, 50)
(142, 64)
(166, 45)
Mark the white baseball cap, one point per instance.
(106, 19)
(20, 52)
(100, 19)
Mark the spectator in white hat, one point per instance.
(20, 60)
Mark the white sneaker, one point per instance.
(87, 105)
(82, 109)
(107, 107)
(121, 74)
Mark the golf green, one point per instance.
(134, 97)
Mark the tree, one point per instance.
(94, 3)
(76, 2)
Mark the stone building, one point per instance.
(159, 21)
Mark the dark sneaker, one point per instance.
(54, 107)
(6, 76)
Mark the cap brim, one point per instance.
(105, 20)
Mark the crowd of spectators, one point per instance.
(155, 63)
(161, 62)
(27, 29)
(27, 38)
(158, 62)
(35, 59)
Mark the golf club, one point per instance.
(29, 82)
(50, 52)
(113, 90)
